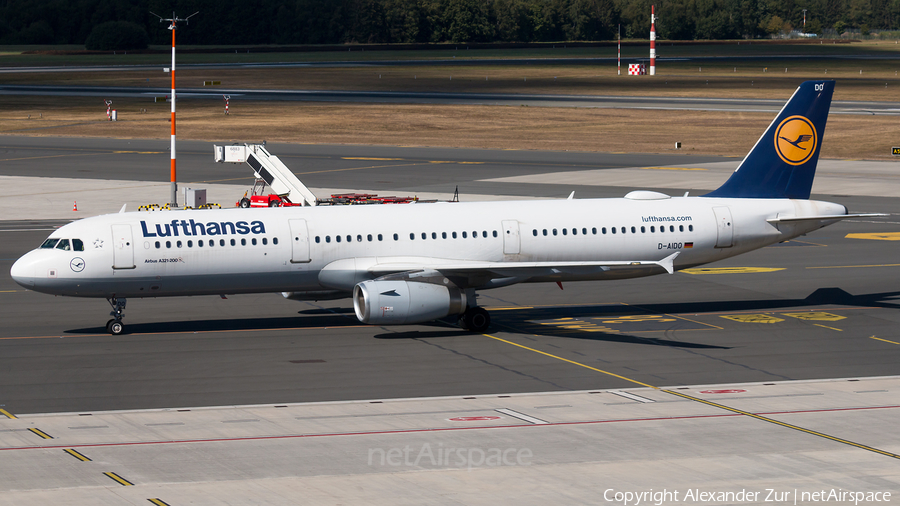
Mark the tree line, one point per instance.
(233, 22)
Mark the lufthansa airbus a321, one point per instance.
(413, 263)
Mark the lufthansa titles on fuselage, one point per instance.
(192, 228)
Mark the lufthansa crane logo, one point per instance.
(795, 140)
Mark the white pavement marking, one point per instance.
(521, 416)
(630, 396)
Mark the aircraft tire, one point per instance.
(477, 320)
(115, 327)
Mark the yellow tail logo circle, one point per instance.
(795, 140)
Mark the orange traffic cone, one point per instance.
(74, 205)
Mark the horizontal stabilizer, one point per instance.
(788, 219)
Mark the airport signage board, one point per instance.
(895, 151)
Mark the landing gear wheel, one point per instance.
(476, 319)
(115, 327)
(245, 203)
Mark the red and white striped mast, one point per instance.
(652, 40)
(173, 21)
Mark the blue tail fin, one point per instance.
(782, 164)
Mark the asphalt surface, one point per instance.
(405, 97)
(831, 312)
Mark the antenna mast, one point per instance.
(173, 21)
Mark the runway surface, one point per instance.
(819, 307)
(405, 97)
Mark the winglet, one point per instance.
(571, 195)
(123, 208)
(668, 263)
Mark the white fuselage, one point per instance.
(153, 254)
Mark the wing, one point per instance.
(344, 274)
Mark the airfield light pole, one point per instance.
(173, 21)
(652, 40)
(804, 20)
(619, 53)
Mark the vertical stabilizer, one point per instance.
(782, 164)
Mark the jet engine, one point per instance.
(395, 302)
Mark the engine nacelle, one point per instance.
(388, 302)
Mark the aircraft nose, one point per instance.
(23, 271)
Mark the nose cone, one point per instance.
(23, 271)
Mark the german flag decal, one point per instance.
(688, 245)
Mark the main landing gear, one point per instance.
(475, 319)
(115, 326)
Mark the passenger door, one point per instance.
(123, 247)
(510, 237)
(299, 242)
(724, 227)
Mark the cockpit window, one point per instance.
(49, 243)
(77, 245)
(63, 245)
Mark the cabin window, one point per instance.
(396, 237)
(221, 242)
(359, 238)
(168, 244)
(652, 229)
(604, 230)
(643, 230)
(380, 237)
(412, 236)
(565, 231)
(212, 243)
(681, 228)
(554, 231)
(49, 243)
(243, 242)
(424, 236)
(623, 230)
(190, 244)
(337, 238)
(545, 232)
(63, 244)
(534, 232)
(369, 237)
(484, 233)
(265, 241)
(349, 239)
(233, 242)
(690, 228)
(594, 230)
(574, 231)
(454, 235)
(583, 231)
(662, 229)
(633, 230)
(274, 240)
(317, 239)
(613, 229)
(253, 241)
(200, 243)
(443, 235)
(474, 234)
(156, 244)
(671, 228)
(495, 233)
(464, 235)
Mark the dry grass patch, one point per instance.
(491, 127)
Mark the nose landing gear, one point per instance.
(115, 326)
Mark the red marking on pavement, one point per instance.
(444, 429)
(729, 391)
(474, 418)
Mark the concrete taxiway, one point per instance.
(765, 332)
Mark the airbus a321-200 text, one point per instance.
(414, 263)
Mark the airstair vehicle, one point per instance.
(269, 170)
(289, 191)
